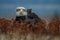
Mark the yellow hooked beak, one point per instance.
(21, 10)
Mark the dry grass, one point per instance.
(12, 30)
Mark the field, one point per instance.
(13, 30)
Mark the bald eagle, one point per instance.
(23, 14)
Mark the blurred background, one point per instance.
(43, 8)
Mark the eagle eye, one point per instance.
(18, 10)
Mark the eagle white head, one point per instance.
(21, 11)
